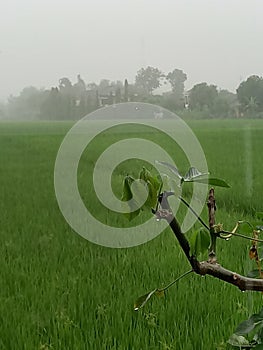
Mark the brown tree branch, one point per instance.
(216, 270)
(211, 204)
(210, 267)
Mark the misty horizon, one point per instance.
(216, 42)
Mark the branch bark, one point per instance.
(211, 203)
(210, 267)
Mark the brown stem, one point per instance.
(167, 214)
(205, 267)
(242, 282)
(211, 203)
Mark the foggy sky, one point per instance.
(217, 41)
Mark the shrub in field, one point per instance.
(202, 240)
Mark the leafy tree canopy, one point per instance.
(148, 79)
(250, 94)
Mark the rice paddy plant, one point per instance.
(59, 291)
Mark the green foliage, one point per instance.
(225, 105)
(69, 101)
(128, 196)
(142, 300)
(148, 79)
(250, 95)
(255, 322)
(194, 175)
(177, 78)
(253, 273)
(213, 181)
(202, 95)
(135, 191)
(141, 193)
(159, 292)
(199, 241)
(211, 102)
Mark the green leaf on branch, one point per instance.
(129, 204)
(146, 176)
(171, 167)
(159, 292)
(211, 181)
(199, 241)
(153, 185)
(247, 326)
(140, 193)
(253, 274)
(142, 300)
(194, 175)
(126, 191)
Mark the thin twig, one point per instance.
(177, 279)
(211, 204)
(194, 212)
(238, 235)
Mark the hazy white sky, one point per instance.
(217, 41)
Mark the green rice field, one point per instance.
(59, 291)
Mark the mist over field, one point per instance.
(108, 43)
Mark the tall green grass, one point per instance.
(59, 291)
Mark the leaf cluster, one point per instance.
(141, 193)
(254, 323)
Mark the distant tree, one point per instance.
(202, 96)
(252, 105)
(51, 108)
(111, 99)
(118, 95)
(148, 79)
(68, 99)
(170, 101)
(116, 84)
(93, 98)
(250, 95)
(65, 85)
(116, 89)
(27, 105)
(97, 100)
(225, 105)
(93, 101)
(104, 87)
(92, 86)
(79, 87)
(80, 108)
(126, 91)
(177, 78)
(134, 93)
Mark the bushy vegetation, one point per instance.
(72, 101)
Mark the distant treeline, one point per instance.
(69, 101)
